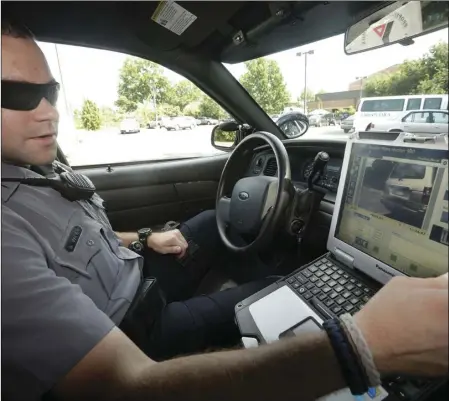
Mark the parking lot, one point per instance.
(109, 146)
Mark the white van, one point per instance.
(372, 109)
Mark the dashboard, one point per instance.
(301, 161)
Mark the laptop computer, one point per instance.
(390, 218)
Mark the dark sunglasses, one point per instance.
(25, 96)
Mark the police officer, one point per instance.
(68, 282)
(76, 239)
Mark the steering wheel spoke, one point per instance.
(224, 209)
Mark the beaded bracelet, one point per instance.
(347, 357)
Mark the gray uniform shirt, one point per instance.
(66, 282)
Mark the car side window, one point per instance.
(408, 118)
(440, 118)
(405, 171)
(422, 117)
(414, 104)
(432, 103)
(115, 108)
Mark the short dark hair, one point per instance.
(16, 30)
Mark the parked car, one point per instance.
(178, 123)
(320, 120)
(408, 187)
(129, 126)
(154, 124)
(414, 121)
(207, 121)
(347, 124)
(160, 123)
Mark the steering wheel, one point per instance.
(253, 206)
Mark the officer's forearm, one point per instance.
(296, 369)
(127, 238)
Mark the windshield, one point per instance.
(320, 78)
(105, 95)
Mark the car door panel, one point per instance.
(440, 122)
(421, 123)
(434, 128)
(149, 194)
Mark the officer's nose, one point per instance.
(46, 112)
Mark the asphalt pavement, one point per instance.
(109, 146)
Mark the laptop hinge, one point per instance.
(344, 258)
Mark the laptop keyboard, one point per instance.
(329, 289)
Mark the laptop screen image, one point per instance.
(395, 207)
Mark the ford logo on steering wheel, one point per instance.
(243, 195)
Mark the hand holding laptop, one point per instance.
(406, 326)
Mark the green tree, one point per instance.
(351, 110)
(426, 75)
(210, 108)
(145, 113)
(90, 116)
(264, 81)
(139, 81)
(436, 65)
(168, 110)
(224, 136)
(193, 109)
(310, 97)
(77, 119)
(347, 110)
(109, 117)
(183, 93)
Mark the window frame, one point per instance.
(414, 99)
(372, 101)
(401, 166)
(442, 113)
(413, 113)
(72, 153)
(431, 99)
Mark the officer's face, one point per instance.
(28, 137)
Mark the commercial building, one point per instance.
(342, 100)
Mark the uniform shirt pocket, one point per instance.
(79, 244)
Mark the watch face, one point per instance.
(144, 231)
(136, 246)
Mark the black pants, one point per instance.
(190, 325)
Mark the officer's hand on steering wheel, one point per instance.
(169, 242)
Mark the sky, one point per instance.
(94, 74)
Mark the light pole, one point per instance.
(153, 95)
(299, 54)
(361, 84)
(62, 82)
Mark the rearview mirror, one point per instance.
(224, 136)
(399, 22)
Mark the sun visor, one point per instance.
(168, 25)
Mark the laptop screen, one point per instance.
(395, 207)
